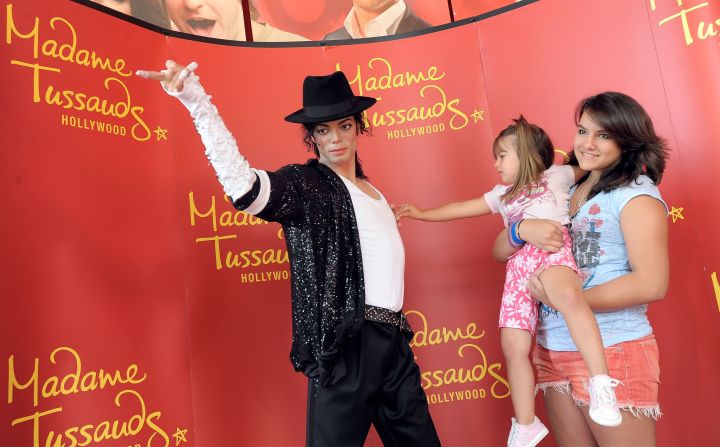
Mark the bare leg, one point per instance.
(569, 426)
(564, 293)
(516, 344)
(632, 432)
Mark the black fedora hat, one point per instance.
(328, 98)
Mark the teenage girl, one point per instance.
(537, 189)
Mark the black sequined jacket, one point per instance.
(326, 273)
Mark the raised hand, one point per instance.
(172, 78)
(537, 291)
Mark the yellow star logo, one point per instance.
(477, 115)
(160, 133)
(179, 436)
(676, 213)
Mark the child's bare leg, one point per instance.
(562, 287)
(516, 344)
(564, 292)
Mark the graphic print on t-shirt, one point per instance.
(586, 243)
(585, 248)
(532, 195)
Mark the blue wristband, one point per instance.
(515, 240)
(511, 242)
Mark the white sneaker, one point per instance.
(603, 403)
(526, 435)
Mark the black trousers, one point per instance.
(381, 387)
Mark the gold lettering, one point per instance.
(716, 288)
(136, 112)
(477, 373)
(500, 381)
(69, 49)
(121, 108)
(63, 47)
(103, 430)
(195, 212)
(71, 383)
(158, 430)
(11, 29)
(36, 76)
(72, 378)
(89, 382)
(66, 52)
(50, 387)
(458, 114)
(233, 218)
(216, 244)
(441, 335)
(710, 31)
(13, 383)
(35, 417)
(388, 80)
(683, 18)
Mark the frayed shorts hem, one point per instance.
(563, 387)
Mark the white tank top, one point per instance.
(383, 254)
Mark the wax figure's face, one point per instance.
(378, 6)
(506, 160)
(594, 147)
(337, 142)
(118, 5)
(211, 18)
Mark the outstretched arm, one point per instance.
(450, 211)
(232, 169)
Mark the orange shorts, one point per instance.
(634, 363)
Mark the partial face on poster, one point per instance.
(220, 19)
(150, 11)
(352, 19)
(118, 5)
(275, 21)
(374, 6)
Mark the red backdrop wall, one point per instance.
(139, 309)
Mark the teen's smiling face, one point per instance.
(220, 19)
(594, 147)
(337, 142)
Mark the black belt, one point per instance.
(387, 316)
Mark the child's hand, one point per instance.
(407, 210)
(537, 291)
(542, 233)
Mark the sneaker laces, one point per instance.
(519, 434)
(603, 391)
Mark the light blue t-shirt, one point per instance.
(601, 255)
